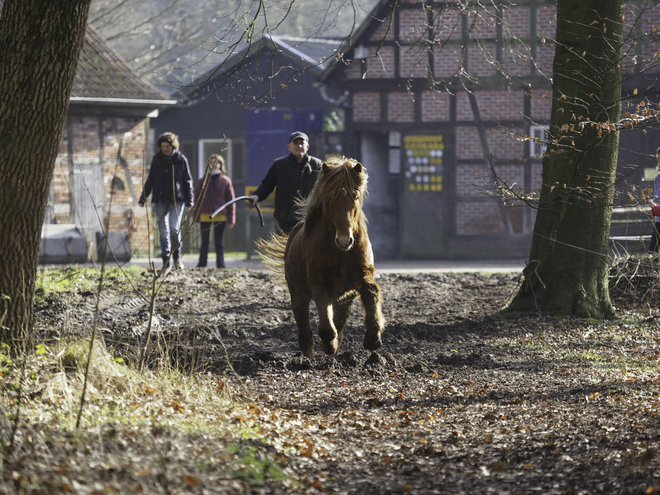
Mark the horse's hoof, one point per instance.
(371, 343)
(308, 353)
(330, 348)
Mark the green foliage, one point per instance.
(6, 364)
(333, 121)
(255, 466)
(79, 279)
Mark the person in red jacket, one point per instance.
(212, 191)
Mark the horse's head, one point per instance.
(345, 187)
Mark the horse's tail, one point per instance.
(272, 253)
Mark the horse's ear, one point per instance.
(325, 167)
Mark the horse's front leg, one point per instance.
(373, 317)
(300, 308)
(327, 330)
(342, 311)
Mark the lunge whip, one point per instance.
(261, 218)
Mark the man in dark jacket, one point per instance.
(294, 177)
(170, 184)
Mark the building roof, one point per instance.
(316, 51)
(306, 54)
(379, 13)
(102, 76)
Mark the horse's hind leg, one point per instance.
(341, 313)
(373, 317)
(300, 307)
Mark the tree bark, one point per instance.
(567, 271)
(40, 42)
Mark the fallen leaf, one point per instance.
(308, 452)
(192, 480)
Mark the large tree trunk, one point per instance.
(40, 42)
(568, 264)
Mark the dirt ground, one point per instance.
(460, 399)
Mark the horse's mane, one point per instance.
(340, 175)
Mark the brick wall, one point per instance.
(630, 15)
(479, 218)
(88, 148)
(446, 60)
(435, 106)
(400, 107)
(473, 216)
(545, 54)
(412, 24)
(472, 180)
(481, 60)
(513, 175)
(648, 60)
(537, 176)
(541, 106)
(631, 56)
(381, 65)
(482, 22)
(650, 18)
(468, 145)
(354, 70)
(500, 104)
(516, 22)
(504, 143)
(546, 21)
(366, 106)
(86, 139)
(463, 107)
(384, 31)
(448, 25)
(516, 59)
(131, 218)
(414, 61)
(61, 181)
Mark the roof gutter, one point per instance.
(277, 41)
(121, 101)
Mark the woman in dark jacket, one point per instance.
(211, 192)
(170, 184)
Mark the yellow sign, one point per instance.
(423, 163)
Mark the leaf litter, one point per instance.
(460, 398)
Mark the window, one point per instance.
(538, 141)
(208, 147)
(117, 184)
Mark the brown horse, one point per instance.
(327, 258)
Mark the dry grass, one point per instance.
(148, 432)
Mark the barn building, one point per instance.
(245, 108)
(100, 166)
(447, 105)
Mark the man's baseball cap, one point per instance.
(297, 135)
